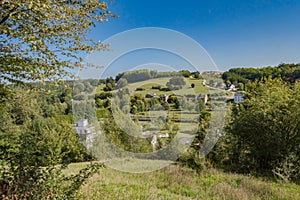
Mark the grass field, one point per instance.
(147, 86)
(187, 89)
(177, 182)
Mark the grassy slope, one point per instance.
(147, 85)
(175, 182)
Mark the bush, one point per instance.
(103, 95)
(156, 87)
(32, 148)
(139, 89)
(34, 182)
(165, 89)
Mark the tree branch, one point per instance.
(5, 18)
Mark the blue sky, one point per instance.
(244, 33)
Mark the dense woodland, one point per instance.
(287, 72)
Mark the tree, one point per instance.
(122, 83)
(185, 73)
(197, 75)
(264, 131)
(39, 41)
(240, 86)
(42, 40)
(176, 82)
(109, 84)
(32, 146)
(193, 85)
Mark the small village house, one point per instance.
(238, 97)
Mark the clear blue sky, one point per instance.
(246, 33)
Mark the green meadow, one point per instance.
(179, 182)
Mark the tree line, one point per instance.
(287, 72)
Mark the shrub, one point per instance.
(165, 89)
(158, 87)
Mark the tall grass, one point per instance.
(176, 182)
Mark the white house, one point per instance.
(230, 87)
(82, 127)
(82, 122)
(150, 95)
(238, 97)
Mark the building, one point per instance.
(238, 97)
(150, 95)
(203, 97)
(82, 122)
(86, 132)
(82, 127)
(230, 87)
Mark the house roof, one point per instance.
(238, 94)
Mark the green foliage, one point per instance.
(174, 100)
(137, 104)
(41, 40)
(176, 83)
(176, 182)
(197, 75)
(122, 83)
(103, 95)
(138, 75)
(288, 72)
(264, 131)
(34, 182)
(143, 75)
(86, 109)
(185, 73)
(121, 138)
(31, 143)
(191, 157)
(109, 84)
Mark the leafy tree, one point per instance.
(31, 145)
(193, 85)
(185, 73)
(122, 83)
(176, 82)
(121, 138)
(109, 84)
(42, 40)
(264, 130)
(197, 75)
(165, 105)
(241, 86)
(174, 99)
(288, 72)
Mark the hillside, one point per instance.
(175, 182)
